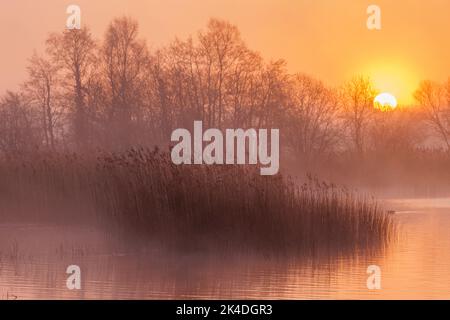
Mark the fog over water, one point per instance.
(35, 257)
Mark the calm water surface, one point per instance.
(33, 261)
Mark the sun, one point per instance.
(385, 101)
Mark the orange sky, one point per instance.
(325, 38)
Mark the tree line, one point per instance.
(83, 93)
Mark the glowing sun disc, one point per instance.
(385, 101)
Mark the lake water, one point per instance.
(33, 262)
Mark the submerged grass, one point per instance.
(142, 195)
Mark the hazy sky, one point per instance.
(324, 38)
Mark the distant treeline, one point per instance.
(112, 93)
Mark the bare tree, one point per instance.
(220, 47)
(274, 95)
(74, 52)
(18, 130)
(126, 65)
(433, 98)
(217, 79)
(42, 90)
(357, 105)
(244, 89)
(313, 114)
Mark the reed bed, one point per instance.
(140, 194)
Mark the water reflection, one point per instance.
(34, 260)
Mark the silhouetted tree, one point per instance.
(313, 116)
(74, 52)
(42, 90)
(18, 130)
(357, 105)
(126, 65)
(433, 97)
